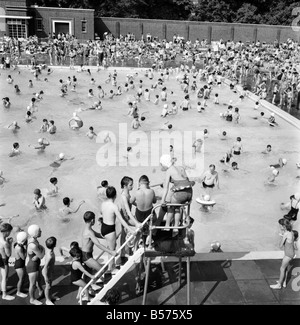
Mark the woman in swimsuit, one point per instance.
(288, 243)
(181, 192)
(35, 253)
(20, 255)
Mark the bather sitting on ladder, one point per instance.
(181, 192)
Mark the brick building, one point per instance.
(19, 19)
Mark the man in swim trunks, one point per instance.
(210, 178)
(90, 238)
(144, 199)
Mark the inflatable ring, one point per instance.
(206, 203)
(75, 124)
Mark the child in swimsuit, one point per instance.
(20, 257)
(48, 268)
(77, 270)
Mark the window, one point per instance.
(39, 24)
(83, 26)
(17, 28)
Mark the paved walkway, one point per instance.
(219, 282)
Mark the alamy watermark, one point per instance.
(295, 26)
(296, 280)
(138, 148)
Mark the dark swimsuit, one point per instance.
(142, 215)
(86, 256)
(237, 152)
(33, 266)
(20, 263)
(3, 262)
(107, 229)
(210, 186)
(75, 274)
(182, 189)
(292, 214)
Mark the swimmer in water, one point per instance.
(66, 210)
(44, 126)
(39, 201)
(267, 150)
(197, 145)
(78, 122)
(91, 134)
(60, 159)
(223, 136)
(234, 166)
(226, 159)
(51, 127)
(15, 150)
(135, 124)
(210, 179)
(14, 126)
(281, 163)
(271, 120)
(53, 191)
(6, 102)
(237, 147)
(166, 127)
(42, 144)
(272, 177)
(2, 179)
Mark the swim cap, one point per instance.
(272, 114)
(14, 123)
(21, 237)
(61, 155)
(221, 114)
(206, 197)
(166, 106)
(37, 191)
(33, 230)
(284, 161)
(74, 114)
(166, 161)
(40, 140)
(215, 245)
(275, 172)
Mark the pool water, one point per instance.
(245, 216)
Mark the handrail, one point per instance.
(150, 217)
(101, 271)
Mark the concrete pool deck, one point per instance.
(213, 282)
(245, 216)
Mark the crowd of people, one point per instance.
(271, 68)
(232, 60)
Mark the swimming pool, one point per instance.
(245, 216)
